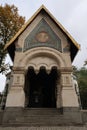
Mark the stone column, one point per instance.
(69, 97)
(16, 95)
(58, 92)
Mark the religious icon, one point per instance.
(42, 37)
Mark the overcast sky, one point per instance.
(72, 14)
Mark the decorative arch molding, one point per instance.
(45, 56)
(42, 66)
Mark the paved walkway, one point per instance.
(45, 128)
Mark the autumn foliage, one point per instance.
(10, 23)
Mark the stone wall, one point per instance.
(84, 116)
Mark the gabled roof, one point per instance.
(32, 18)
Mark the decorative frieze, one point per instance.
(65, 70)
(66, 48)
(18, 70)
(18, 47)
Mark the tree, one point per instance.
(10, 23)
(81, 75)
(85, 63)
(0, 98)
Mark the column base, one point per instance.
(16, 97)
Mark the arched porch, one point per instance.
(41, 88)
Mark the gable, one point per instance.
(32, 37)
(42, 35)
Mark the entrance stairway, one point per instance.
(36, 117)
(46, 128)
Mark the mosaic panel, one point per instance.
(42, 36)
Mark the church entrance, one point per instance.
(41, 88)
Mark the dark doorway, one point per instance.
(42, 88)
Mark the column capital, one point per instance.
(19, 70)
(65, 70)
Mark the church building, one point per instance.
(41, 89)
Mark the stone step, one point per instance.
(39, 120)
(46, 128)
(36, 117)
(41, 111)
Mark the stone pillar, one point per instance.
(16, 95)
(58, 92)
(69, 97)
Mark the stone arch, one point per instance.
(43, 53)
(41, 83)
(47, 58)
